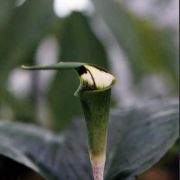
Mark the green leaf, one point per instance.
(138, 137)
(143, 134)
(15, 164)
(148, 48)
(60, 157)
(78, 43)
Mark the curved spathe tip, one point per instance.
(58, 66)
(92, 78)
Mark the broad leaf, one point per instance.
(143, 134)
(138, 137)
(14, 164)
(60, 157)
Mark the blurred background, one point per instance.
(136, 40)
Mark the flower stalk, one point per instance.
(94, 93)
(96, 111)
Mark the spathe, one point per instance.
(94, 93)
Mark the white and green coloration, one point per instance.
(94, 93)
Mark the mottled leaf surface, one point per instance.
(60, 157)
(141, 136)
(14, 164)
(138, 137)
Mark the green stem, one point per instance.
(96, 110)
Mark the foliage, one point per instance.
(65, 155)
(42, 153)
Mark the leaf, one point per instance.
(148, 48)
(78, 43)
(143, 135)
(13, 163)
(138, 137)
(59, 156)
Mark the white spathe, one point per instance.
(97, 77)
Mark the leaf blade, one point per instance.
(16, 160)
(66, 156)
(155, 125)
